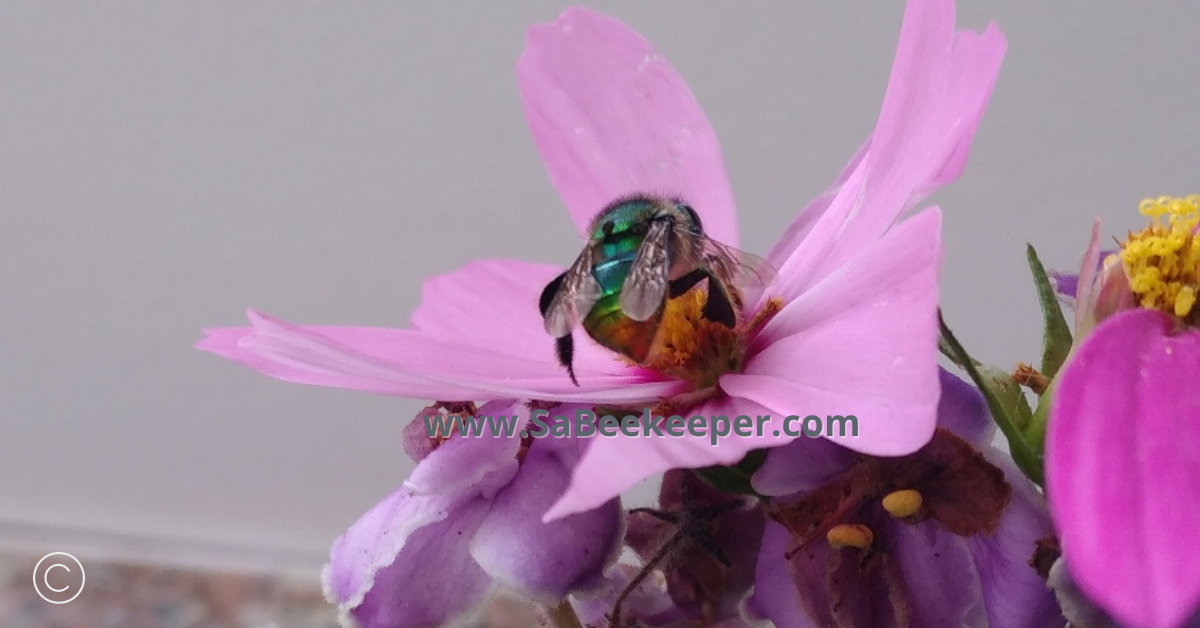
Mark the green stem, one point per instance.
(562, 615)
(1027, 457)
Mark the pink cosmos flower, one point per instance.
(1122, 469)
(855, 331)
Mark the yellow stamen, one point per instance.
(693, 348)
(849, 535)
(901, 504)
(1162, 261)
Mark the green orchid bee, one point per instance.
(642, 251)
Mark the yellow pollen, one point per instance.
(1162, 261)
(692, 347)
(901, 504)
(849, 535)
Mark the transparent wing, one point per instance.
(645, 287)
(738, 268)
(575, 297)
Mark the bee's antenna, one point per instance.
(564, 348)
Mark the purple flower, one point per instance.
(955, 555)
(1122, 469)
(466, 521)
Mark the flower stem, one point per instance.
(562, 616)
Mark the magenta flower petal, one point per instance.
(545, 561)
(379, 569)
(409, 363)
(940, 83)
(859, 343)
(612, 117)
(1122, 471)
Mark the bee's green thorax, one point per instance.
(617, 234)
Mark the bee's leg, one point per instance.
(564, 348)
(687, 282)
(718, 306)
(549, 291)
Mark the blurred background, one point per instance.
(164, 166)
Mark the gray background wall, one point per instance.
(165, 165)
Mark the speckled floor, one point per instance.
(136, 596)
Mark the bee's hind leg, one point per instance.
(564, 348)
(717, 307)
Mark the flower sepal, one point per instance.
(1056, 333)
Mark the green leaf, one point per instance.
(735, 479)
(1056, 334)
(1005, 399)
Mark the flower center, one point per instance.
(696, 349)
(1162, 262)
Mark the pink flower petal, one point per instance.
(493, 303)
(409, 363)
(1085, 290)
(941, 82)
(860, 343)
(1122, 470)
(806, 464)
(612, 117)
(810, 215)
(599, 477)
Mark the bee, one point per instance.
(643, 250)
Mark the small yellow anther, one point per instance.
(1185, 301)
(1162, 262)
(901, 504)
(849, 535)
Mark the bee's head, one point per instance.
(690, 215)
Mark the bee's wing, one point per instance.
(645, 286)
(736, 267)
(576, 295)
